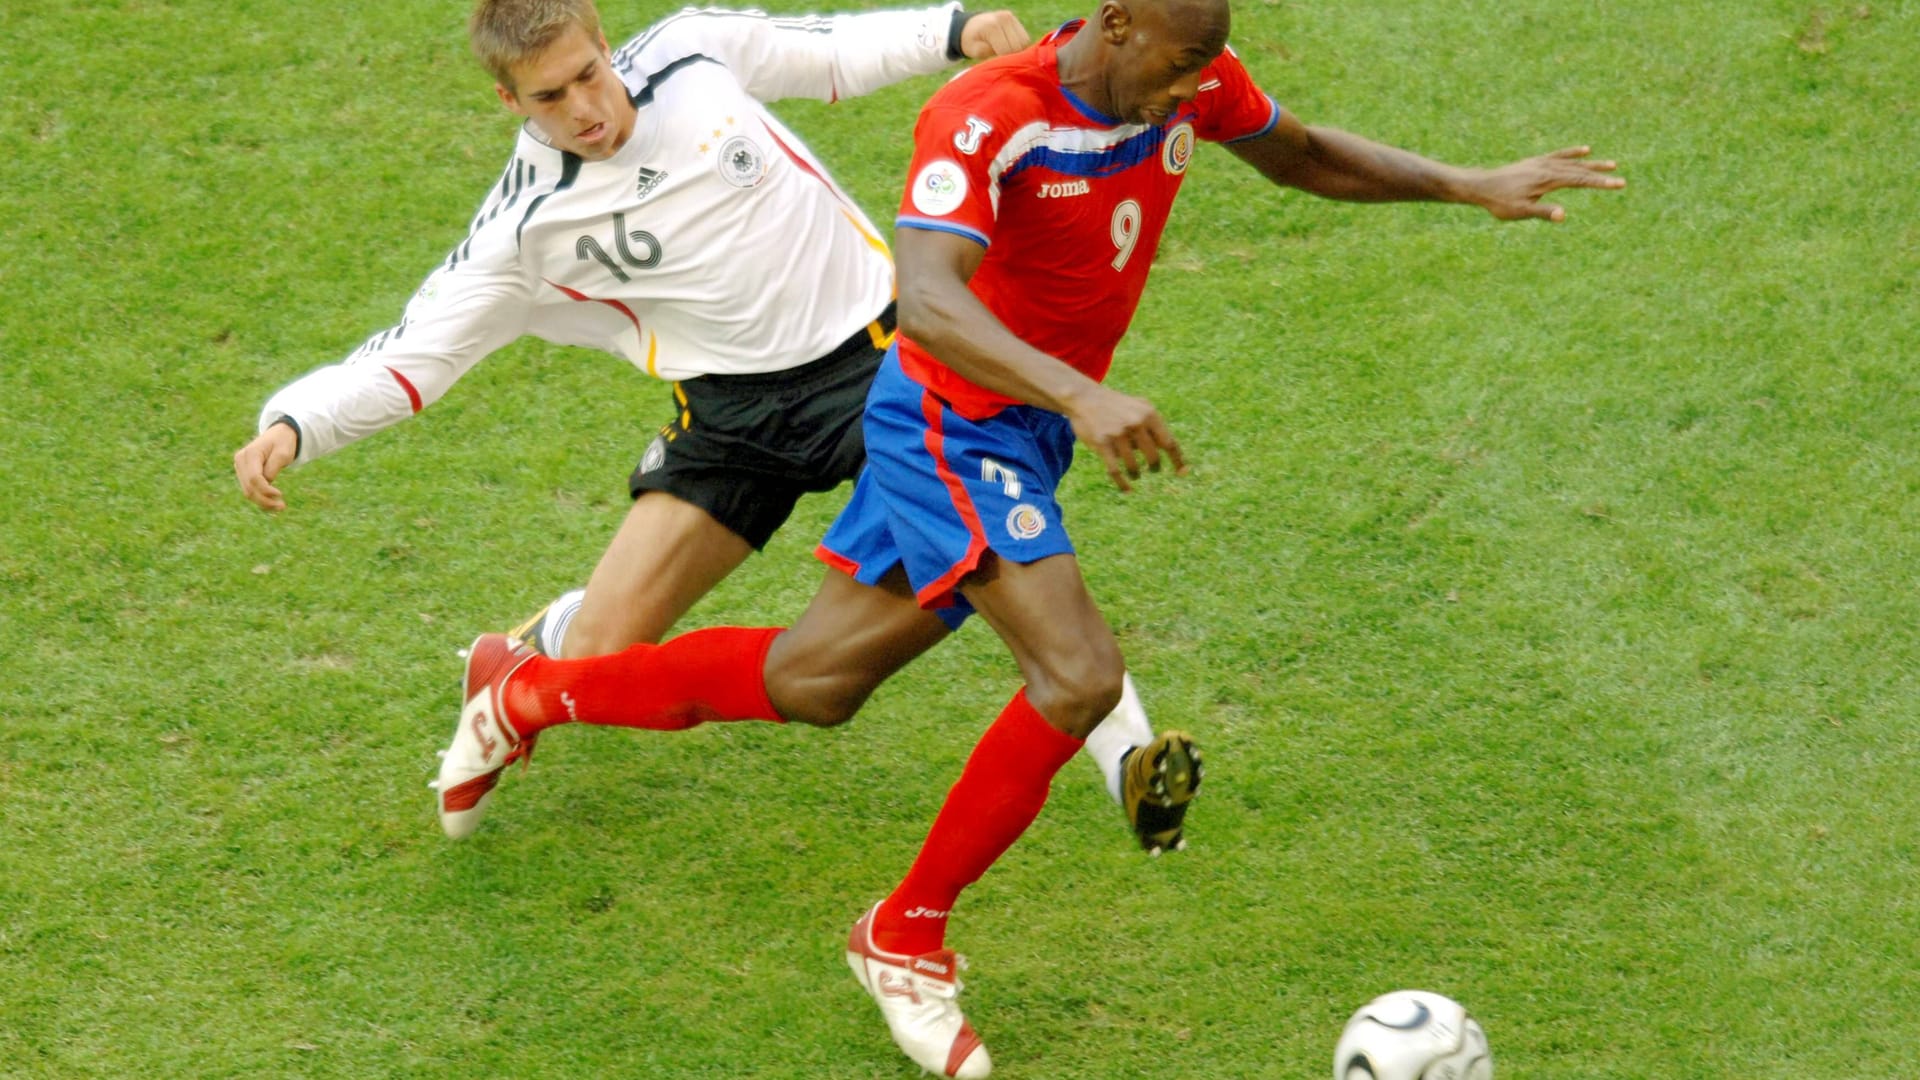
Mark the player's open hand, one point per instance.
(256, 464)
(1126, 432)
(992, 33)
(1513, 192)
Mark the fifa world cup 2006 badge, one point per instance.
(1024, 522)
(939, 189)
(1178, 150)
(741, 163)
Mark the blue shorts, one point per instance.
(940, 490)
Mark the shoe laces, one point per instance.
(523, 753)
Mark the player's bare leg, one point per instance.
(667, 555)
(848, 641)
(1062, 643)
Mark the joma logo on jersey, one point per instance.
(1064, 191)
(968, 141)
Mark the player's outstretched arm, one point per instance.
(832, 57)
(1340, 165)
(258, 463)
(938, 311)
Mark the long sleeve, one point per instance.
(826, 57)
(465, 310)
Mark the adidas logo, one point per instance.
(648, 180)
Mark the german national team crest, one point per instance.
(1024, 522)
(1178, 151)
(741, 163)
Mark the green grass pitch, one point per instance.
(1544, 597)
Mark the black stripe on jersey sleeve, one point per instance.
(482, 216)
(645, 96)
(569, 172)
(521, 175)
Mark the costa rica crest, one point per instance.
(1025, 521)
(1177, 152)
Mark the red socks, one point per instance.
(998, 795)
(704, 675)
(719, 674)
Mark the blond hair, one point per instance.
(507, 32)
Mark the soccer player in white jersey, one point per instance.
(655, 210)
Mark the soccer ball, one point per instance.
(1412, 1035)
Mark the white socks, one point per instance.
(1124, 728)
(559, 615)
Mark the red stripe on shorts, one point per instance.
(836, 560)
(939, 592)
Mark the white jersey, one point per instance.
(711, 243)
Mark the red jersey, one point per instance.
(1069, 203)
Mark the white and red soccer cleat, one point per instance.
(916, 996)
(484, 743)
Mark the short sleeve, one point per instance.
(1231, 107)
(953, 183)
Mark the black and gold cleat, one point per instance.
(528, 633)
(1157, 782)
(550, 623)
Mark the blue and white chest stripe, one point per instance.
(1078, 152)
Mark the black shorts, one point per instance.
(744, 448)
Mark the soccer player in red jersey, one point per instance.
(1037, 194)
